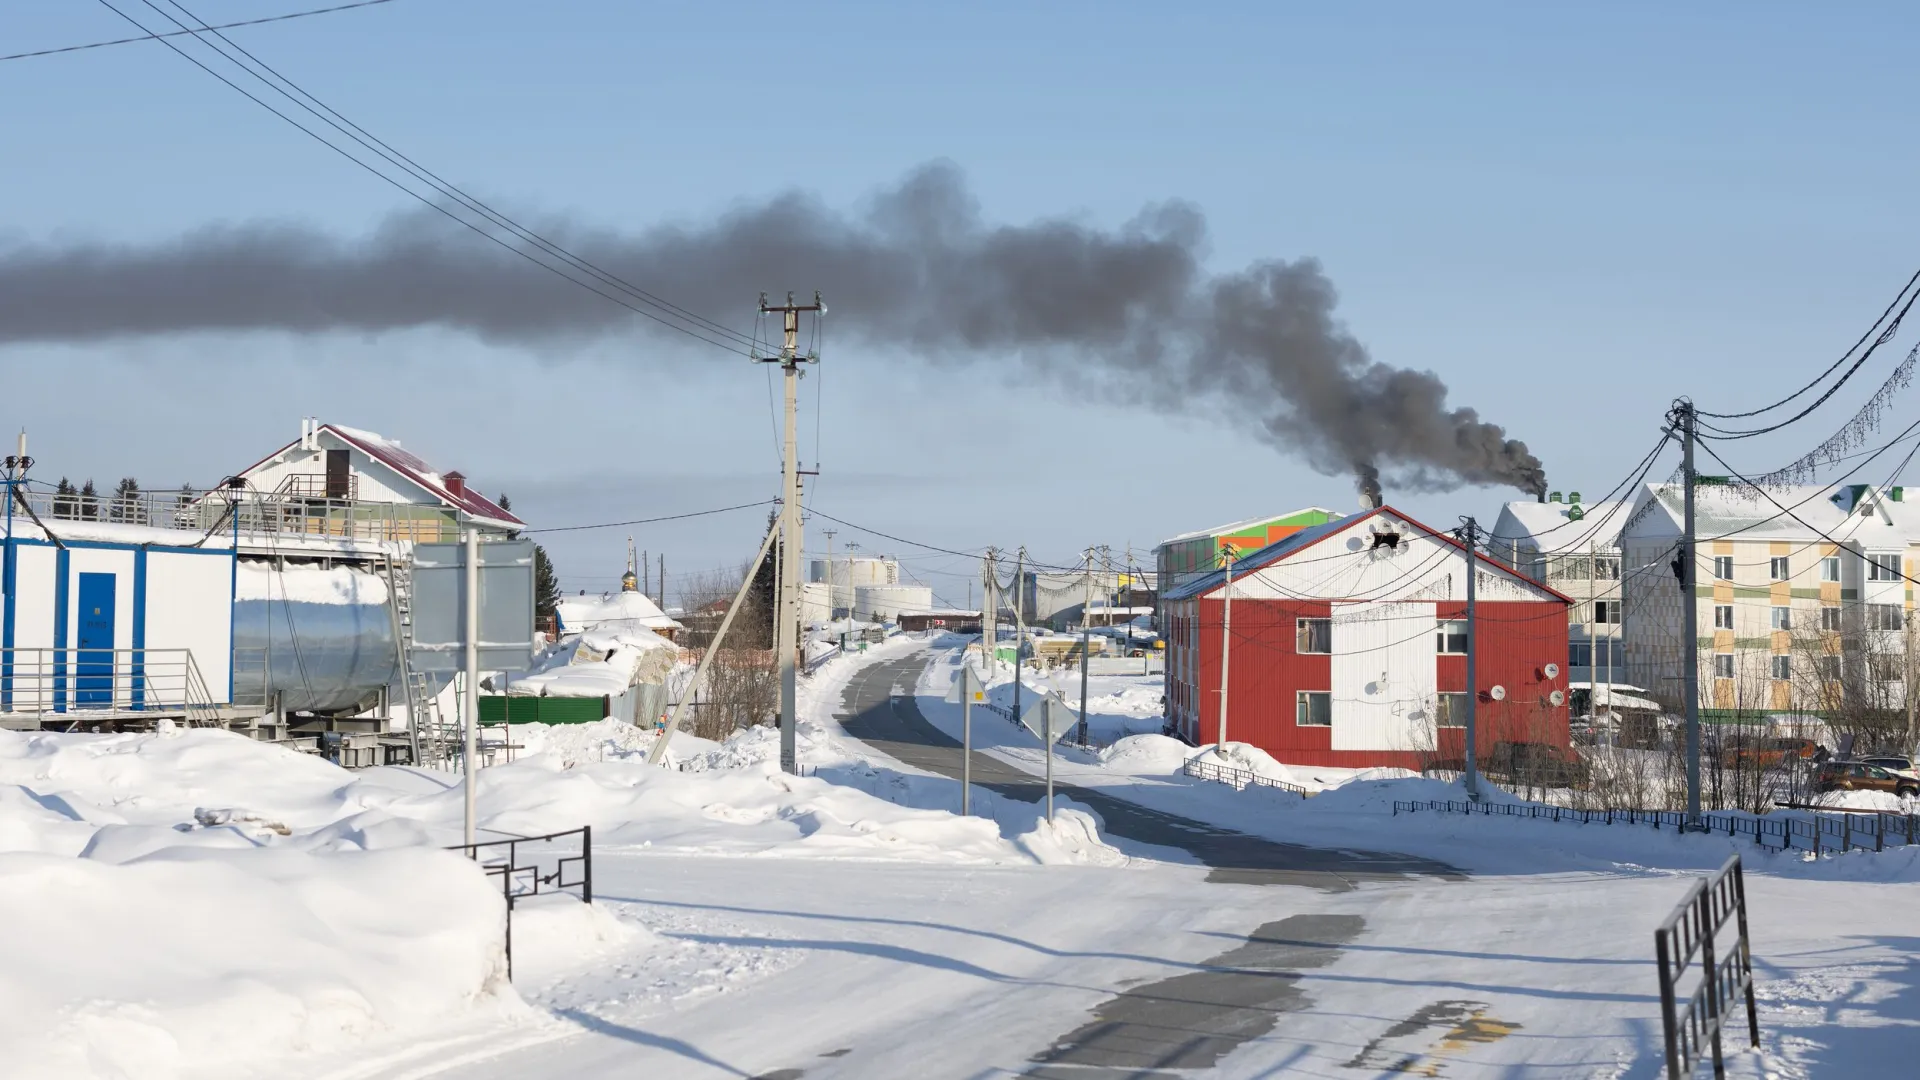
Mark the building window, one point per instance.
(1451, 637)
(1723, 567)
(1777, 568)
(1579, 654)
(1723, 665)
(1723, 616)
(1606, 612)
(1830, 568)
(1313, 635)
(1783, 667)
(1884, 667)
(1883, 616)
(1313, 709)
(1883, 568)
(1829, 667)
(1606, 567)
(1571, 568)
(1830, 618)
(1782, 618)
(1451, 711)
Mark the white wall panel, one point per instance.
(1347, 565)
(1383, 675)
(190, 606)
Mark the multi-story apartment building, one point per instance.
(1799, 612)
(1575, 549)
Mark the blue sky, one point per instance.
(1571, 213)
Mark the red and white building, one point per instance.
(1347, 647)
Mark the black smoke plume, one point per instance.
(1129, 311)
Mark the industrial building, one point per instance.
(844, 575)
(1060, 598)
(1347, 647)
(278, 602)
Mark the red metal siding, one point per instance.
(1516, 640)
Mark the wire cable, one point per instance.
(177, 33)
(1830, 368)
(652, 520)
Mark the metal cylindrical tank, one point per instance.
(321, 639)
(884, 603)
(816, 605)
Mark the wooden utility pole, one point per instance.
(1470, 537)
(787, 607)
(1682, 418)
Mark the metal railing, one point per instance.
(1238, 779)
(255, 515)
(1819, 831)
(526, 876)
(1692, 931)
(74, 682)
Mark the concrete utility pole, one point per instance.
(470, 706)
(787, 629)
(1226, 646)
(1019, 622)
(1907, 688)
(1086, 647)
(661, 584)
(830, 534)
(1682, 418)
(1470, 536)
(989, 616)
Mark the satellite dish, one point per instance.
(1557, 698)
(1366, 501)
(1553, 672)
(1497, 692)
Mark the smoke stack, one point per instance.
(1367, 479)
(456, 484)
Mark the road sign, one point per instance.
(1049, 718)
(506, 606)
(966, 688)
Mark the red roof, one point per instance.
(408, 465)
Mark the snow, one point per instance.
(580, 613)
(602, 662)
(307, 585)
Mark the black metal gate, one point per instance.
(529, 866)
(1691, 932)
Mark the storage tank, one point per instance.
(816, 606)
(884, 603)
(320, 638)
(849, 572)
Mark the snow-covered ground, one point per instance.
(191, 904)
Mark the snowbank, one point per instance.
(196, 962)
(599, 663)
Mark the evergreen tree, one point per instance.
(546, 586)
(505, 503)
(183, 506)
(756, 624)
(63, 499)
(126, 501)
(89, 502)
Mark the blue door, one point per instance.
(93, 666)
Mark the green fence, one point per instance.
(500, 709)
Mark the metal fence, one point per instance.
(290, 512)
(525, 869)
(72, 682)
(1239, 779)
(1817, 831)
(1692, 931)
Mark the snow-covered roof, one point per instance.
(1243, 526)
(582, 613)
(938, 613)
(1741, 512)
(390, 453)
(1550, 527)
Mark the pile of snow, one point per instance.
(621, 610)
(599, 663)
(1146, 754)
(202, 962)
(1249, 758)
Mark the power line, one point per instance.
(177, 33)
(653, 520)
(700, 329)
(1831, 368)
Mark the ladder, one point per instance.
(432, 738)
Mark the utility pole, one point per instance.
(1907, 688)
(1226, 646)
(662, 583)
(1019, 624)
(646, 575)
(989, 616)
(1682, 417)
(1470, 536)
(470, 705)
(787, 629)
(1086, 647)
(830, 534)
(17, 466)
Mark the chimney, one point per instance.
(456, 484)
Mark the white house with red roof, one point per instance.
(336, 464)
(1347, 647)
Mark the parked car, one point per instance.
(1541, 763)
(1860, 776)
(1898, 766)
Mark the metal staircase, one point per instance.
(434, 740)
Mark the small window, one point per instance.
(1885, 667)
(1313, 709)
(1783, 667)
(1313, 635)
(1451, 711)
(1723, 616)
(1830, 618)
(1782, 618)
(1723, 665)
(1451, 638)
(1883, 568)
(1723, 567)
(1830, 568)
(1606, 567)
(1777, 568)
(1884, 617)
(1829, 667)
(1606, 612)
